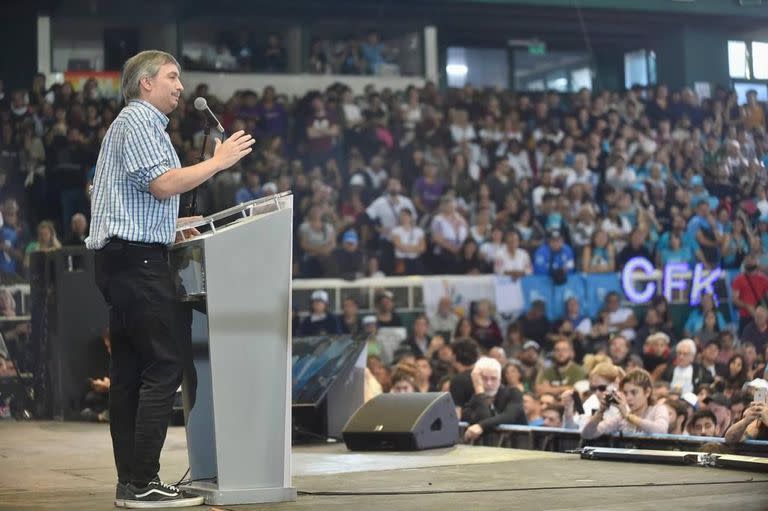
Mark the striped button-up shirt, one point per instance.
(136, 150)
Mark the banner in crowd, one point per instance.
(513, 297)
(108, 81)
(462, 290)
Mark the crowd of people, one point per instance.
(558, 374)
(353, 55)
(471, 181)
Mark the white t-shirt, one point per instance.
(505, 262)
(620, 316)
(488, 251)
(454, 232)
(682, 379)
(387, 213)
(620, 181)
(352, 113)
(412, 236)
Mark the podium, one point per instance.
(236, 278)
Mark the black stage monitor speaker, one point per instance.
(403, 422)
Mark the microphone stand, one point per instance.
(206, 134)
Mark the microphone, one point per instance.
(201, 104)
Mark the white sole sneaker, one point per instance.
(160, 504)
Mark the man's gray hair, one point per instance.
(488, 363)
(143, 65)
(687, 342)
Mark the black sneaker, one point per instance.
(155, 495)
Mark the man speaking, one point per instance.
(135, 204)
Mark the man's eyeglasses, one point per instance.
(598, 388)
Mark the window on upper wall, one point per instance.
(738, 63)
(760, 60)
(639, 68)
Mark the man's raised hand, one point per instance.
(233, 149)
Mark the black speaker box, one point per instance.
(69, 317)
(403, 422)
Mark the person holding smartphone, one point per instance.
(638, 412)
(603, 379)
(754, 422)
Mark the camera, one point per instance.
(610, 399)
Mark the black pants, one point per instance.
(146, 365)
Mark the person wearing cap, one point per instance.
(385, 310)
(530, 363)
(554, 258)
(349, 258)
(320, 321)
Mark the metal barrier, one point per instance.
(561, 440)
(21, 294)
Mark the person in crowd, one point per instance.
(492, 403)
(78, 231)
(320, 320)
(678, 416)
(563, 373)
(750, 289)
(534, 323)
(752, 426)
(554, 258)
(45, 242)
(637, 411)
(385, 310)
(685, 375)
(418, 342)
(424, 373)
(696, 317)
(317, 239)
(445, 319)
(720, 406)
(485, 330)
(703, 423)
(552, 416)
(462, 389)
(403, 380)
(350, 319)
(604, 378)
(449, 230)
(619, 319)
(348, 258)
(410, 244)
(512, 260)
(756, 331)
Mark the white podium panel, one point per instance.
(237, 277)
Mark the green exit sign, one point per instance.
(537, 49)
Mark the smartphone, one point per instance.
(761, 395)
(578, 406)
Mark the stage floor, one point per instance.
(68, 466)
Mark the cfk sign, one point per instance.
(673, 279)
